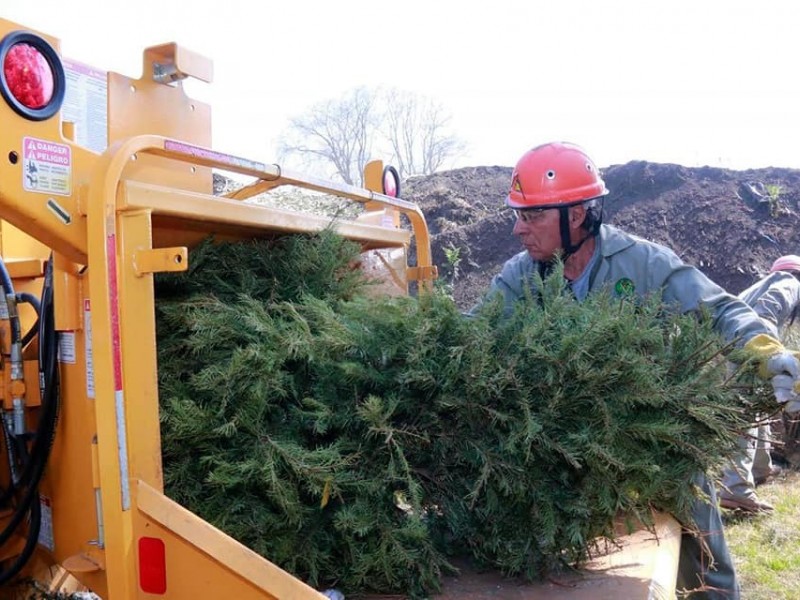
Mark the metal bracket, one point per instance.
(170, 63)
(160, 260)
(24, 268)
(82, 563)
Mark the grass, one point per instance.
(766, 549)
(774, 192)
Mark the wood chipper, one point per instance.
(104, 181)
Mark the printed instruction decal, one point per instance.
(89, 354)
(46, 537)
(86, 104)
(46, 167)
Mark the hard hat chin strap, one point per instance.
(566, 239)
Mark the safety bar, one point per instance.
(272, 176)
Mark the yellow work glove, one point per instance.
(777, 363)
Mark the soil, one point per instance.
(730, 224)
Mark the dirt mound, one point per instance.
(731, 224)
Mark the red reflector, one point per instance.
(29, 76)
(152, 565)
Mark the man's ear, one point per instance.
(577, 215)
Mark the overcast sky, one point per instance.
(694, 82)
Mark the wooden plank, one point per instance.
(642, 566)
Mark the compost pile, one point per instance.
(730, 224)
(363, 442)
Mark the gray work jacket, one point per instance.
(774, 298)
(631, 265)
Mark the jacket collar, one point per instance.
(612, 240)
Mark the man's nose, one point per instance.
(520, 227)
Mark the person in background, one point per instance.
(556, 194)
(776, 299)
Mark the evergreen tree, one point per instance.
(361, 442)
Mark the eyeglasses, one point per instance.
(529, 215)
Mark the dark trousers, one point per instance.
(705, 563)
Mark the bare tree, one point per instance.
(334, 133)
(341, 133)
(416, 128)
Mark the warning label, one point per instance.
(46, 537)
(46, 166)
(66, 347)
(86, 104)
(89, 354)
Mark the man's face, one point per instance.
(538, 230)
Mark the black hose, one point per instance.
(49, 382)
(48, 387)
(30, 299)
(33, 301)
(17, 445)
(24, 505)
(11, 446)
(45, 433)
(26, 339)
(8, 290)
(30, 543)
(48, 377)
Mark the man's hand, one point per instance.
(776, 360)
(784, 363)
(781, 366)
(785, 393)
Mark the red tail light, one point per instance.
(32, 79)
(391, 182)
(29, 76)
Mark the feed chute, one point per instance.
(106, 180)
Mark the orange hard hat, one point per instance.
(790, 262)
(554, 174)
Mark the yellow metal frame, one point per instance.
(133, 211)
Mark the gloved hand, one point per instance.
(783, 385)
(775, 360)
(784, 363)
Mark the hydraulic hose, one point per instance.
(33, 301)
(30, 299)
(8, 291)
(28, 482)
(48, 385)
(30, 543)
(7, 422)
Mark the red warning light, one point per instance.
(32, 78)
(391, 182)
(29, 76)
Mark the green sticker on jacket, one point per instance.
(624, 287)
